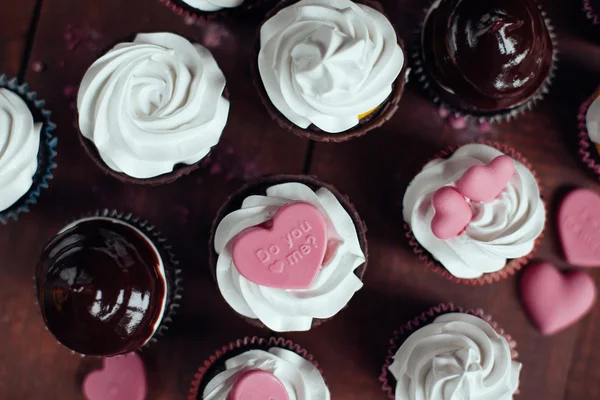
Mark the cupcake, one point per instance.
(474, 214)
(288, 252)
(329, 70)
(198, 10)
(259, 368)
(589, 132)
(490, 60)
(27, 148)
(446, 354)
(590, 8)
(150, 110)
(107, 284)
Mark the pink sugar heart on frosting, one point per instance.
(452, 213)
(121, 378)
(555, 300)
(579, 227)
(485, 182)
(287, 254)
(258, 385)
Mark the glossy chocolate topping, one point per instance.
(101, 287)
(487, 56)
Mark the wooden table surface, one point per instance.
(63, 37)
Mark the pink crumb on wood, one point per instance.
(37, 66)
(484, 126)
(457, 121)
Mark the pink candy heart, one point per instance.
(555, 300)
(288, 254)
(485, 182)
(122, 378)
(258, 385)
(579, 227)
(452, 213)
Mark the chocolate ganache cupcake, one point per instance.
(106, 284)
(491, 60)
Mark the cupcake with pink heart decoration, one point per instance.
(474, 214)
(288, 252)
(259, 368)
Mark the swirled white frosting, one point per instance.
(213, 5)
(325, 62)
(285, 310)
(505, 228)
(301, 379)
(457, 357)
(592, 120)
(153, 103)
(19, 145)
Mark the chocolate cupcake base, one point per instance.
(587, 149)
(259, 186)
(195, 15)
(46, 153)
(429, 87)
(215, 364)
(376, 119)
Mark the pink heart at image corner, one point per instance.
(485, 182)
(579, 227)
(289, 253)
(121, 378)
(556, 300)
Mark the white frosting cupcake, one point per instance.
(457, 356)
(505, 228)
(212, 5)
(19, 145)
(592, 121)
(301, 378)
(327, 62)
(284, 309)
(152, 104)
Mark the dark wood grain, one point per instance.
(373, 171)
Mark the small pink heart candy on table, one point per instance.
(556, 300)
(289, 253)
(485, 182)
(121, 378)
(452, 213)
(579, 227)
(258, 385)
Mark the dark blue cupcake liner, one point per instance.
(46, 152)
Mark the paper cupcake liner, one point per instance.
(46, 152)
(513, 265)
(375, 120)
(590, 13)
(587, 150)
(214, 364)
(259, 186)
(195, 15)
(170, 263)
(501, 116)
(387, 379)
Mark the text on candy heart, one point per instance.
(296, 244)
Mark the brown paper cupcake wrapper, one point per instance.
(171, 265)
(214, 364)
(587, 150)
(501, 116)
(259, 186)
(513, 265)
(387, 379)
(195, 15)
(591, 14)
(375, 120)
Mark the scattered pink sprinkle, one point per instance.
(37, 66)
(189, 21)
(484, 127)
(70, 91)
(215, 168)
(457, 121)
(443, 111)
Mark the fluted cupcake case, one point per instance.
(259, 186)
(373, 121)
(587, 149)
(46, 153)
(387, 379)
(216, 362)
(591, 13)
(195, 15)
(512, 265)
(174, 291)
